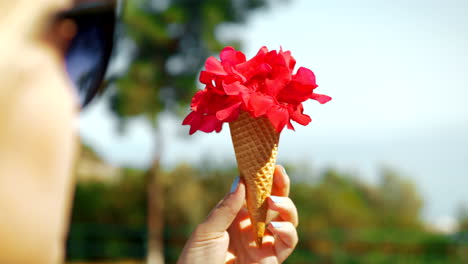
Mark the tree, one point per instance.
(462, 218)
(401, 203)
(173, 39)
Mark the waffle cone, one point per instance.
(256, 146)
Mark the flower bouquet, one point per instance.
(258, 98)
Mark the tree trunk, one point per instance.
(155, 209)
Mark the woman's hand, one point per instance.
(226, 235)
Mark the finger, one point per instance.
(280, 182)
(285, 207)
(285, 238)
(241, 231)
(221, 217)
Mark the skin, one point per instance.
(226, 235)
(38, 142)
(37, 135)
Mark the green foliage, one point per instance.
(122, 200)
(173, 40)
(342, 220)
(346, 221)
(400, 201)
(462, 215)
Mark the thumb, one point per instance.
(226, 211)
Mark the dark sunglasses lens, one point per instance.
(88, 55)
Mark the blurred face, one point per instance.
(37, 135)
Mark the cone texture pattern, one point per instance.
(256, 146)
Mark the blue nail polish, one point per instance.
(276, 199)
(284, 170)
(234, 185)
(276, 224)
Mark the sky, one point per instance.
(398, 75)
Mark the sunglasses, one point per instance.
(89, 50)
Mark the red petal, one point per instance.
(305, 77)
(259, 104)
(234, 88)
(294, 94)
(219, 126)
(229, 59)
(193, 129)
(300, 117)
(262, 50)
(229, 113)
(230, 55)
(194, 120)
(321, 98)
(212, 65)
(290, 61)
(197, 99)
(238, 74)
(245, 96)
(206, 77)
(264, 68)
(279, 117)
(250, 68)
(189, 118)
(210, 123)
(300, 88)
(282, 76)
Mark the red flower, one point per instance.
(261, 86)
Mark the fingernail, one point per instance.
(276, 199)
(234, 185)
(276, 224)
(284, 170)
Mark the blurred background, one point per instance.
(379, 176)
